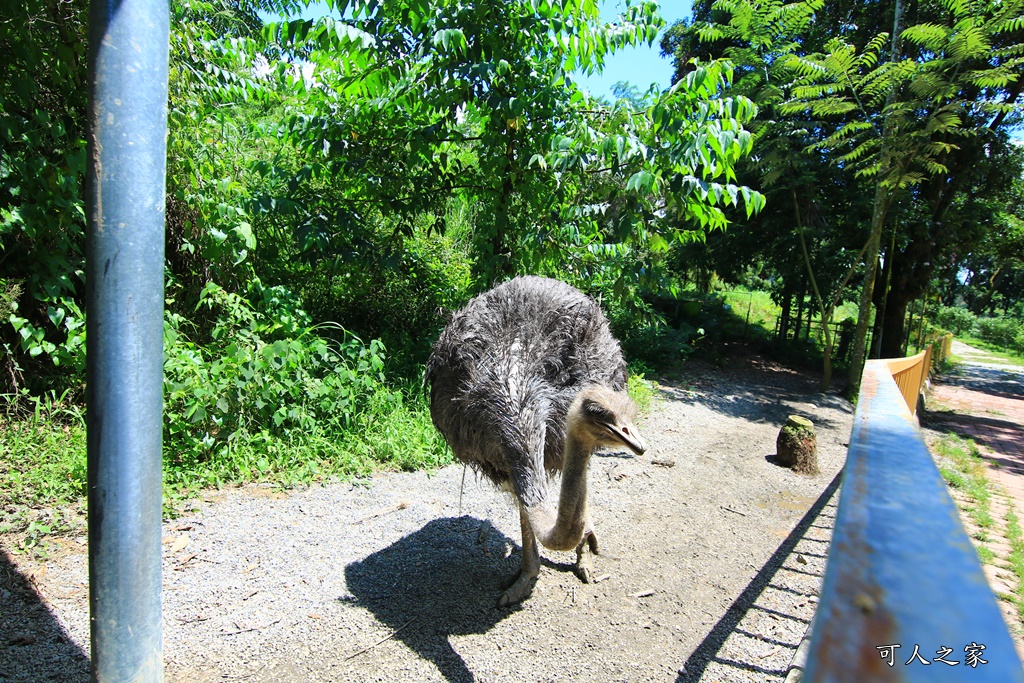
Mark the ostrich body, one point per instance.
(525, 381)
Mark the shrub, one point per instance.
(266, 369)
(1000, 331)
(957, 320)
(397, 299)
(646, 337)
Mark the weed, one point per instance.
(962, 468)
(42, 450)
(641, 391)
(952, 477)
(1015, 538)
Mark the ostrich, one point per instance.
(525, 381)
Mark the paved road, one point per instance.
(987, 398)
(983, 400)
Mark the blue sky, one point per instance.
(639, 66)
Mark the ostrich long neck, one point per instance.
(563, 530)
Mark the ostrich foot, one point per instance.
(584, 568)
(519, 590)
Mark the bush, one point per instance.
(957, 320)
(397, 299)
(652, 342)
(266, 370)
(999, 331)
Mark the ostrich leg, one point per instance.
(588, 545)
(529, 568)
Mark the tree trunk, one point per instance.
(787, 305)
(909, 273)
(826, 311)
(892, 325)
(881, 206)
(883, 200)
(800, 311)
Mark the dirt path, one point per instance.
(712, 556)
(983, 400)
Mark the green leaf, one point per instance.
(244, 231)
(56, 315)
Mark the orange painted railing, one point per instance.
(910, 374)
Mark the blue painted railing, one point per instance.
(904, 596)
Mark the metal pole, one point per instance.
(128, 55)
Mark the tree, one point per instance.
(42, 164)
(911, 108)
(483, 100)
(760, 38)
(896, 109)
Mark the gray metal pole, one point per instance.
(128, 54)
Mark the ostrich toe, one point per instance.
(520, 589)
(584, 568)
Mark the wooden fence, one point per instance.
(910, 375)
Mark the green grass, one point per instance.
(998, 353)
(963, 470)
(42, 469)
(388, 434)
(42, 451)
(43, 458)
(763, 312)
(1016, 559)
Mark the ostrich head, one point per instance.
(601, 417)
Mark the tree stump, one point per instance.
(797, 445)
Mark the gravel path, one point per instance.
(712, 555)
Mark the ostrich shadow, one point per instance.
(437, 582)
(34, 646)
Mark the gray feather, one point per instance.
(505, 370)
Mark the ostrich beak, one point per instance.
(629, 436)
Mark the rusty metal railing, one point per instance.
(904, 597)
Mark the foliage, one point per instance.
(272, 372)
(495, 115)
(987, 274)
(42, 137)
(396, 296)
(904, 139)
(847, 109)
(999, 331)
(957, 320)
(641, 390)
